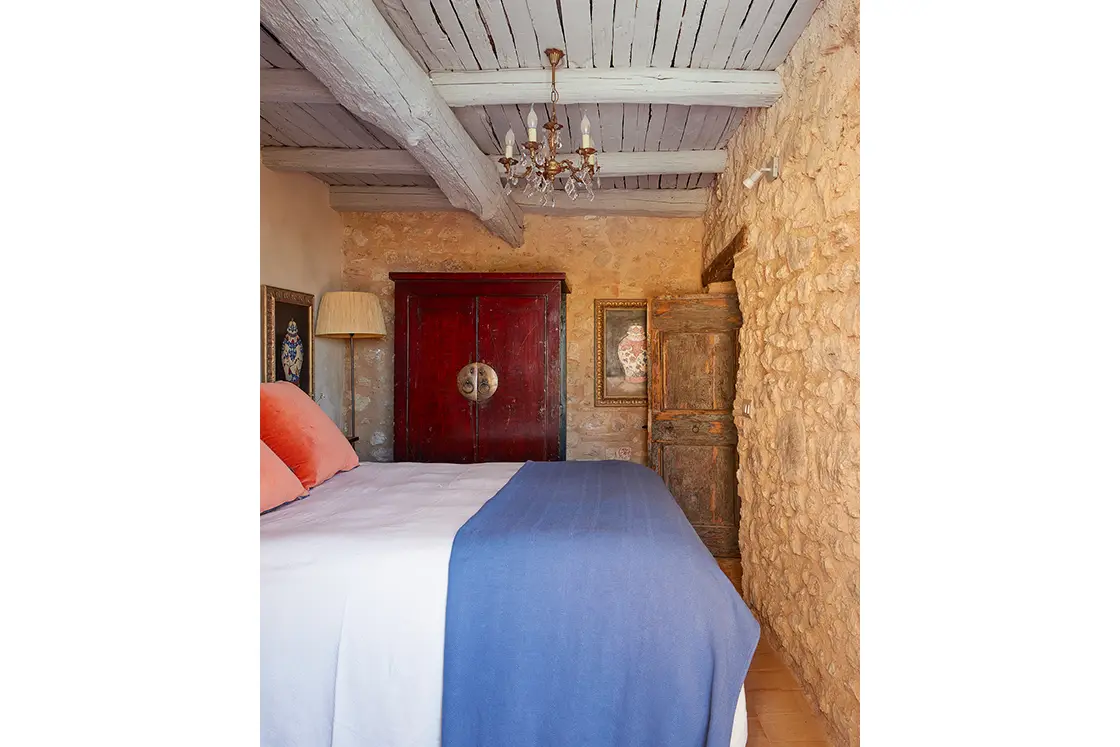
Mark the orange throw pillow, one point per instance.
(302, 435)
(278, 484)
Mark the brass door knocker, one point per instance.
(477, 381)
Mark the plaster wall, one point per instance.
(603, 257)
(301, 250)
(797, 277)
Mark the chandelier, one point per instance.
(539, 165)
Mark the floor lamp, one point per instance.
(349, 315)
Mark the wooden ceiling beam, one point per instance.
(683, 86)
(657, 203)
(382, 161)
(353, 52)
(735, 88)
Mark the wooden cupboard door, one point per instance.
(694, 351)
(440, 422)
(513, 340)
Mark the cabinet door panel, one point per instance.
(693, 441)
(440, 421)
(512, 338)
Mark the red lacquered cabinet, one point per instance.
(479, 367)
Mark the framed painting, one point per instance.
(621, 359)
(288, 337)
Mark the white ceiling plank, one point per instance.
(623, 32)
(733, 19)
(524, 35)
(477, 35)
(671, 135)
(275, 54)
(610, 120)
(405, 29)
(451, 27)
(401, 163)
(498, 25)
(270, 130)
(706, 37)
(354, 52)
(397, 180)
(690, 140)
(715, 122)
(637, 202)
(602, 33)
(635, 123)
(324, 137)
(624, 86)
(668, 25)
(732, 125)
(427, 25)
(546, 22)
(577, 32)
(297, 125)
(791, 31)
(345, 126)
(673, 130)
(653, 139)
(645, 29)
(690, 26)
(748, 32)
(775, 17)
(293, 87)
(477, 124)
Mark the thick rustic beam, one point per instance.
(721, 266)
(612, 86)
(383, 161)
(663, 203)
(684, 86)
(353, 51)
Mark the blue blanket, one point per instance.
(584, 611)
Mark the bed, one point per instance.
(565, 603)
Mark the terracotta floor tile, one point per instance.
(771, 680)
(776, 701)
(800, 743)
(766, 661)
(756, 737)
(792, 727)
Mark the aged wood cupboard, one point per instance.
(479, 367)
(694, 350)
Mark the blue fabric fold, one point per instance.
(584, 611)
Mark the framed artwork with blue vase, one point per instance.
(288, 336)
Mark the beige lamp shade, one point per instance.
(345, 313)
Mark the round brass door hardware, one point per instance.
(477, 381)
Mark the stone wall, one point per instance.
(301, 250)
(604, 257)
(798, 283)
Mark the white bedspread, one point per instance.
(353, 599)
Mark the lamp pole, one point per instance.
(353, 404)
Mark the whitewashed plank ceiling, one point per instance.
(464, 35)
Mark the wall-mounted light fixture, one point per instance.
(771, 171)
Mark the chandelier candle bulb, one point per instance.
(585, 128)
(531, 121)
(509, 143)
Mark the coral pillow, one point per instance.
(302, 435)
(278, 484)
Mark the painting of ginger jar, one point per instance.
(287, 337)
(621, 353)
